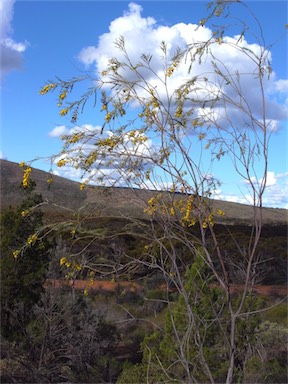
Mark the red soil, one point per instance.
(109, 286)
(95, 285)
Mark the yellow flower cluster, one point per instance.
(25, 213)
(91, 159)
(63, 112)
(68, 264)
(62, 162)
(75, 138)
(219, 40)
(187, 219)
(171, 69)
(153, 204)
(208, 221)
(108, 117)
(32, 239)
(136, 137)
(63, 95)
(65, 261)
(26, 176)
(16, 253)
(47, 88)
(155, 103)
(82, 186)
(110, 142)
(190, 211)
(178, 112)
(49, 180)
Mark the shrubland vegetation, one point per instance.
(187, 323)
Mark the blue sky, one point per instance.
(43, 39)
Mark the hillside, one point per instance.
(113, 202)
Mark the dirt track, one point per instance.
(110, 286)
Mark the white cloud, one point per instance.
(271, 179)
(281, 85)
(135, 28)
(11, 51)
(275, 195)
(59, 131)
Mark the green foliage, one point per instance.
(269, 364)
(277, 314)
(22, 271)
(195, 333)
(132, 374)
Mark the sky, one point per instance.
(44, 39)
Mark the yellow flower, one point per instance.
(26, 176)
(62, 162)
(75, 138)
(82, 186)
(169, 71)
(63, 95)
(220, 212)
(49, 180)
(16, 253)
(85, 292)
(47, 88)
(76, 266)
(63, 112)
(25, 213)
(32, 239)
(108, 117)
(22, 164)
(63, 260)
(178, 112)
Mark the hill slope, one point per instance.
(111, 201)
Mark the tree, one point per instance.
(155, 149)
(23, 269)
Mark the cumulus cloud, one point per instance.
(242, 76)
(229, 58)
(11, 51)
(59, 131)
(275, 194)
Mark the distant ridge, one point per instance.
(110, 201)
